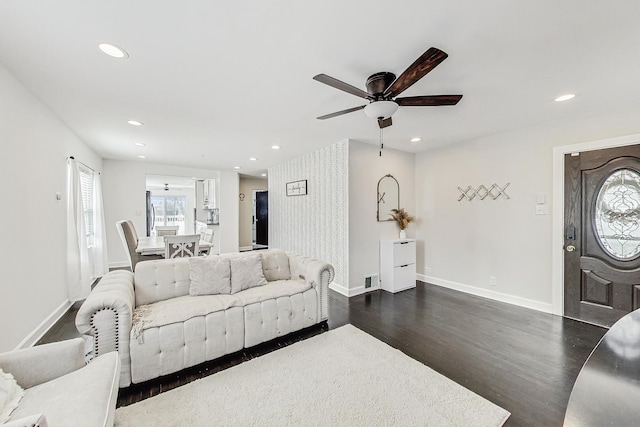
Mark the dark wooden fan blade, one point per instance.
(429, 100)
(328, 80)
(385, 123)
(339, 113)
(427, 62)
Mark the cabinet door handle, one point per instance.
(406, 265)
(404, 243)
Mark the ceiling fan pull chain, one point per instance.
(381, 144)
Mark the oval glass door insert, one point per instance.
(617, 214)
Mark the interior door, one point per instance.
(602, 234)
(262, 218)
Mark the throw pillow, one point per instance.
(246, 272)
(10, 395)
(275, 264)
(209, 276)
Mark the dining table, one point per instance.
(154, 245)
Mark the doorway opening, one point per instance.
(169, 202)
(260, 228)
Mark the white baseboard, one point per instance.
(351, 292)
(43, 327)
(245, 248)
(339, 288)
(487, 293)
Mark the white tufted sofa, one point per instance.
(158, 328)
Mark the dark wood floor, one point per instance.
(64, 329)
(522, 360)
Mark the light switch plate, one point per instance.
(542, 210)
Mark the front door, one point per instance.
(602, 234)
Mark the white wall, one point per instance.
(366, 168)
(124, 186)
(317, 224)
(466, 242)
(247, 185)
(34, 147)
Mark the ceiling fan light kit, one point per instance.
(381, 109)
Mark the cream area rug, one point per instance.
(343, 377)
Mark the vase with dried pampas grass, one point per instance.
(403, 219)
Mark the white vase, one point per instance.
(403, 234)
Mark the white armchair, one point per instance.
(60, 389)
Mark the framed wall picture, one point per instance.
(297, 188)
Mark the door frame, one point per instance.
(557, 226)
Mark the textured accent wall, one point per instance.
(317, 224)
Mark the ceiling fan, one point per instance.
(384, 87)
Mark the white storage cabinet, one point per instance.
(397, 264)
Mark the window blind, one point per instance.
(88, 202)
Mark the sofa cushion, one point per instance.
(161, 280)
(178, 310)
(275, 265)
(246, 272)
(209, 276)
(273, 290)
(10, 395)
(91, 389)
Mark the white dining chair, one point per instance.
(166, 230)
(129, 237)
(207, 236)
(181, 246)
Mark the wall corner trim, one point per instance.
(487, 293)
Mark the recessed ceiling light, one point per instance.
(236, 167)
(135, 123)
(264, 174)
(275, 147)
(139, 144)
(565, 97)
(253, 159)
(112, 50)
(142, 157)
(416, 139)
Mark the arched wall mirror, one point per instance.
(388, 197)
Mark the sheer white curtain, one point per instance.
(78, 265)
(100, 259)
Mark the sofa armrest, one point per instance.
(36, 420)
(107, 314)
(319, 274)
(36, 365)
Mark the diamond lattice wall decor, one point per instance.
(482, 192)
